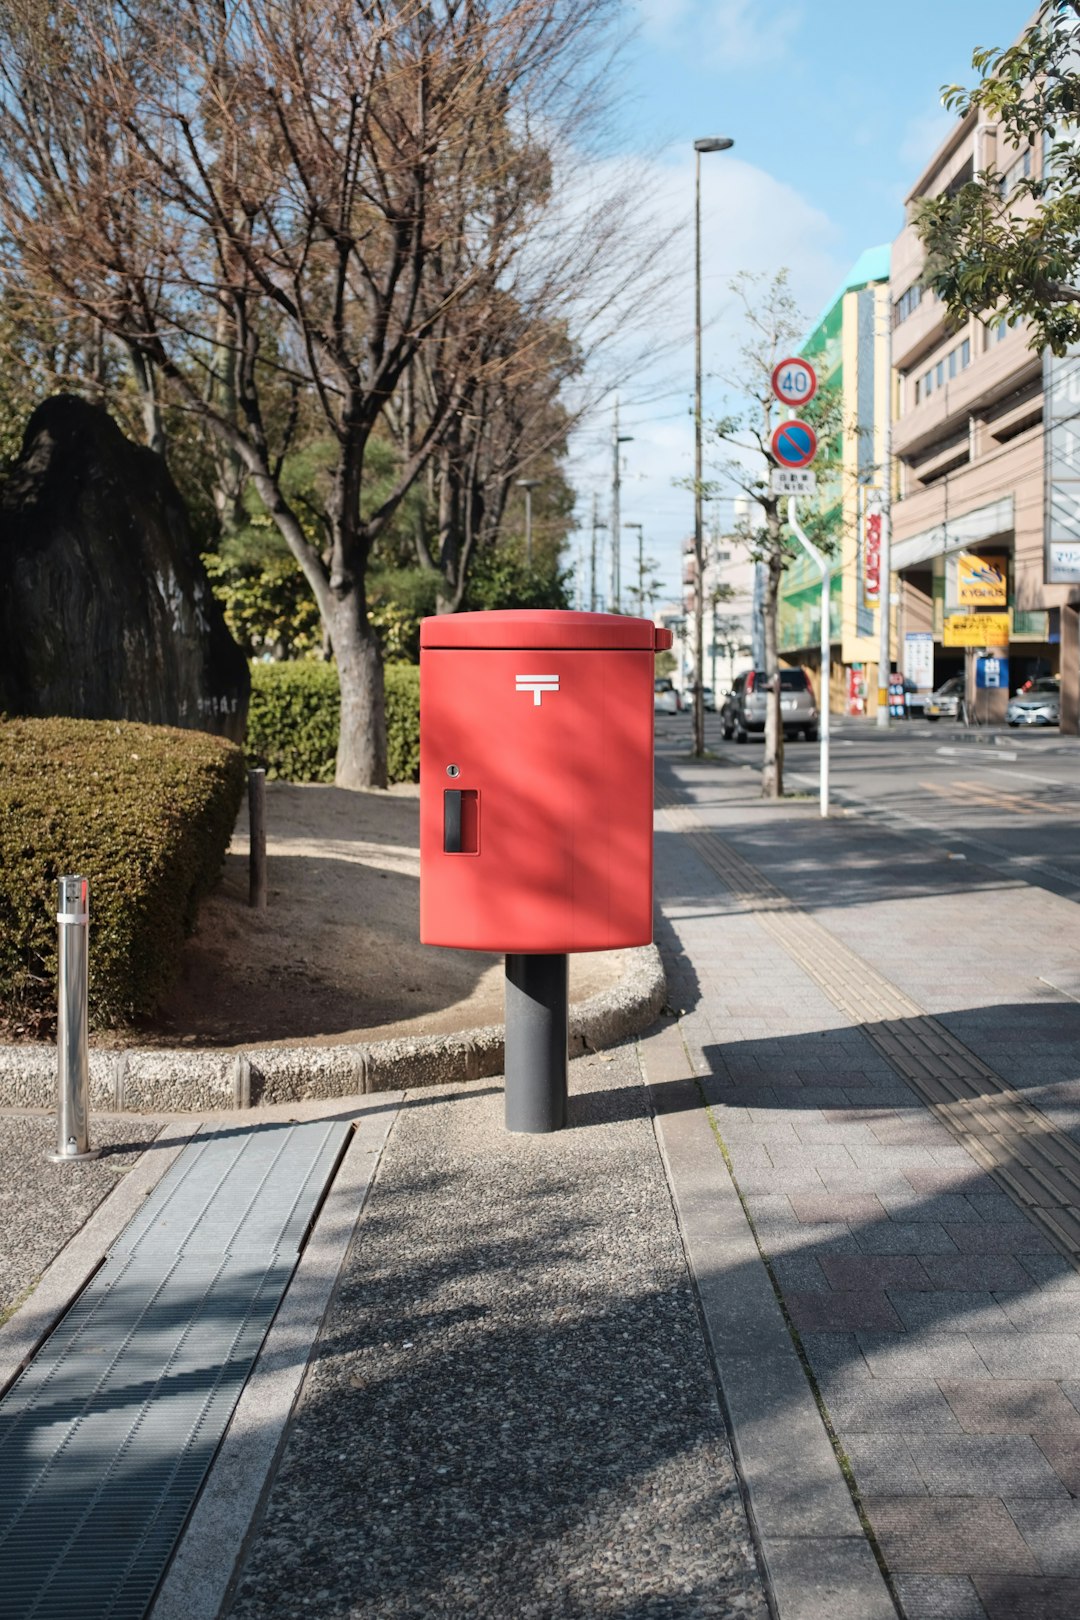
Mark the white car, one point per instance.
(665, 698)
(1040, 705)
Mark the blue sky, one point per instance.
(834, 107)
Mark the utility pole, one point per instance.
(617, 438)
(596, 526)
(885, 587)
(640, 564)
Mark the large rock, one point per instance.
(106, 612)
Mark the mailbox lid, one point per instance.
(550, 629)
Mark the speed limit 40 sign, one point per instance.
(794, 382)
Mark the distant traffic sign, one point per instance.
(794, 444)
(794, 382)
(792, 481)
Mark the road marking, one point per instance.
(1060, 988)
(996, 799)
(1027, 776)
(1019, 801)
(1000, 753)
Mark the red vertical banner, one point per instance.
(856, 692)
(872, 558)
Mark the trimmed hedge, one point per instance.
(403, 722)
(144, 812)
(292, 729)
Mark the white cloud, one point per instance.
(750, 221)
(724, 33)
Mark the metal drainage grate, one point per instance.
(107, 1436)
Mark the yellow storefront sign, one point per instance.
(976, 630)
(981, 581)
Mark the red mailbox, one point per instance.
(536, 780)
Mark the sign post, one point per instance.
(794, 444)
(822, 563)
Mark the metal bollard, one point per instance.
(537, 1029)
(72, 1026)
(257, 842)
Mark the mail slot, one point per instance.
(536, 780)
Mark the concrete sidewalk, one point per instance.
(898, 1097)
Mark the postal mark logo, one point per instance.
(537, 685)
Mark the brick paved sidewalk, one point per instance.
(941, 1324)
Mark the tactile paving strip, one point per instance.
(108, 1434)
(1036, 1164)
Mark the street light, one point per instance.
(528, 485)
(707, 143)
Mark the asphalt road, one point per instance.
(1007, 799)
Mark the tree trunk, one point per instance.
(772, 770)
(146, 383)
(449, 540)
(361, 754)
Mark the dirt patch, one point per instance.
(336, 956)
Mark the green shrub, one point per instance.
(403, 722)
(292, 727)
(293, 721)
(144, 812)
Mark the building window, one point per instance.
(1017, 171)
(907, 303)
(950, 365)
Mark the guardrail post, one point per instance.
(73, 1025)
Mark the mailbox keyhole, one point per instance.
(461, 821)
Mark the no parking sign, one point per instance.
(794, 444)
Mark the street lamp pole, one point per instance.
(528, 485)
(710, 143)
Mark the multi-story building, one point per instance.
(848, 347)
(730, 604)
(972, 473)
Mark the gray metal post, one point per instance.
(537, 1034)
(72, 1025)
(257, 840)
(821, 562)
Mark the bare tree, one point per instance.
(772, 329)
(339, 174)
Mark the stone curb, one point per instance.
(186, 1081)
(816, 1559)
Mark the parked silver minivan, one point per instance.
(743, 710)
